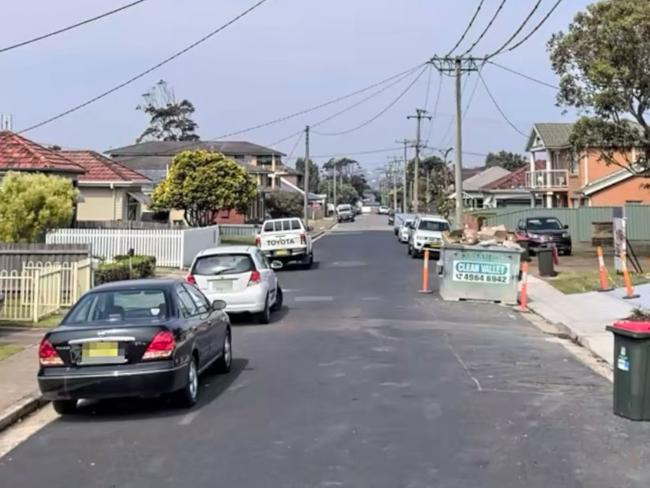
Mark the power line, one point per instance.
(295, 146)
(428, 92)
(516, 33)
(70, 27)
(487, 28)
(316, 107)
(357, 153)
(469, 26)
(363, 100)
(381, 112)
(519, 73)
(496, 104)
(284, 139)
(435, 107)
(536, 28)
(146, 72)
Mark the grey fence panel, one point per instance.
(12, 256)
(579, 220)
(243, 230)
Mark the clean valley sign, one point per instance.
(481, 272)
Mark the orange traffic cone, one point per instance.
(425, 273)
(629, 290)
(604, 285)
(523, 300)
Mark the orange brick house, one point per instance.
(577, 180)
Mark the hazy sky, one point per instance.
(285, 56)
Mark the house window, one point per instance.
(132, 208)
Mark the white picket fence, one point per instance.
(171, 247)
(42, 289)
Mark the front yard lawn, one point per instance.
(584, 281)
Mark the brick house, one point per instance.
(265, 164)
(576, 180)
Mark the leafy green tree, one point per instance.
(603, 62)
(314, 173)
(346, 193)
(202, 184)
(282, 204)
(170, 119)
(507, 160)
(32, 204)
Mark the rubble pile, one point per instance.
(486, 237)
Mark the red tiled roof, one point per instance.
(20, 154)
(101, 168)
(515, 180)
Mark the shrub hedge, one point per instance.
(120, 269)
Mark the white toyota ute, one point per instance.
(286, 240)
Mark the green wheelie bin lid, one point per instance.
(631, 369)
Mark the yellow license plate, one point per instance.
(101, 350)
(282, 252)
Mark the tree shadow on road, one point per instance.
(212, 385)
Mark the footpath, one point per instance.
(20, 394)
(584, 316)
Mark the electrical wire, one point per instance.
(284, 139)
(146, 72)
(70, 27)
(435, 108)
(516, 33)
(315, 107)
(519, 73)
(428, 92)
(295, 146)
(487, 28)
(496, 104)
(379, 114)
(363, 100)
(451, 122)
(536, 28)
(469, 26)
(357, 153)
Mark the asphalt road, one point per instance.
(360, 382)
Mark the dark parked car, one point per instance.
(542, 231)
(140, 338)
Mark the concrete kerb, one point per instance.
(21, 409)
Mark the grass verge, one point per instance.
(583, 281)
(7, 350)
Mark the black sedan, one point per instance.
(140, 338)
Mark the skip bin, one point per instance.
(485, 273)
(631, 365)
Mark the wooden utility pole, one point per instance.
(420, 114)
(306, 200)
(456, 66)
(405, 142)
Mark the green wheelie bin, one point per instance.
(631, 369)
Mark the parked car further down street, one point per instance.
(426, 234)
(344, 213)
(242, 277)
(404, 232)
(287, 241)
(140, 338)
(541, 231)
(383, 210)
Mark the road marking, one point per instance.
(464, 366)
(348, 264)
(314, 299)
(189, 418)
(371, 299)
(23, 430)
(290, 290)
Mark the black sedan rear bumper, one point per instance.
(97, 383)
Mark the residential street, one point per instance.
(360, 382)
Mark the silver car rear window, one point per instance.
(223, 264)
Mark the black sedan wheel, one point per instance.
(224, 363)
(189, 395)
(65, 407)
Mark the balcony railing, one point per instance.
(554, 179)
